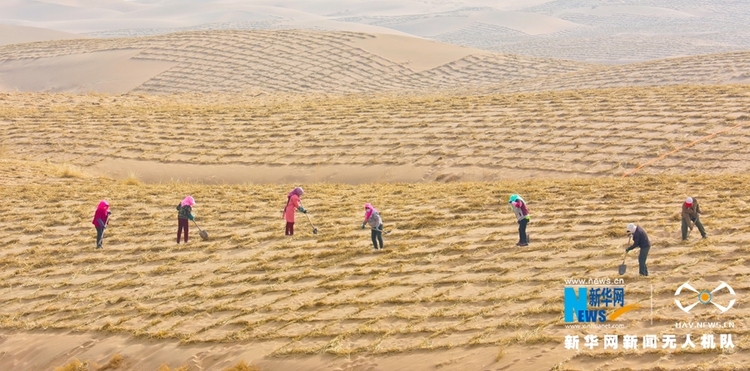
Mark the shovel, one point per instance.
(315, 230)
(384, 231)
(621, 269)
(203, 234)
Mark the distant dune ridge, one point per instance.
(297, 61)
(583, 30)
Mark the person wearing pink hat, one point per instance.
(518, 205)
(372, 217)
(690, 217)
(184, 213)
(293, 203)
(101, 219)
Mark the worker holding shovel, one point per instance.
(293, 203)
(691, 217)
(640, 240)
(184, 213)
(372, 217)
(101, 219)
(522, 214)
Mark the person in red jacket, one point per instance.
(101, 218)
(293, 203)
(184, 213)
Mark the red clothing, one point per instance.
(101, 215)
(291, 206)
(182, 225)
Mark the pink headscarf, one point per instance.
(189, 200)
(368, 211)
(297, 191)
(103, 205)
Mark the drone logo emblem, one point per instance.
(705, 297)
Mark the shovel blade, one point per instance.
(622, 269)
(204, 235)
(315, 230)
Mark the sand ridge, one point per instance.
(586, 30)
(296, 61)
(441, 137)
(22, 34)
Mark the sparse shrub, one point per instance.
(74, 365)
(242, 366)
(132, 180)
(114, 363)
(164, 367)
(70, 171)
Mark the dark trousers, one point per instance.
(522, 230)
(289, 231)
(99, 236)
(182, 224)
(697, 223)
(642, 269)
(377, 236)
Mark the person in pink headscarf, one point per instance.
(372, 217)
(101, 218)
(293, 203)
(184, 213)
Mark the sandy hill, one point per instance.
(729, 68)
(21, 34)
(268, 61)
(230, 138)
(583, 30)
(323, 62)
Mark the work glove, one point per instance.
(191, 217)
(109, 213)
(629, 248)
(302, 210)
(363, 226)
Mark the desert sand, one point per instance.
(357, 104)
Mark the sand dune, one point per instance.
(21, 34)
(325, 62)
(441, 137)
(112, 72)
(309, 62)
(589, 30)
(729, 68)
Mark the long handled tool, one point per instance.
(624, 267)
(315, 230)
(203, 234)
(99, 242)
(384, 231)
